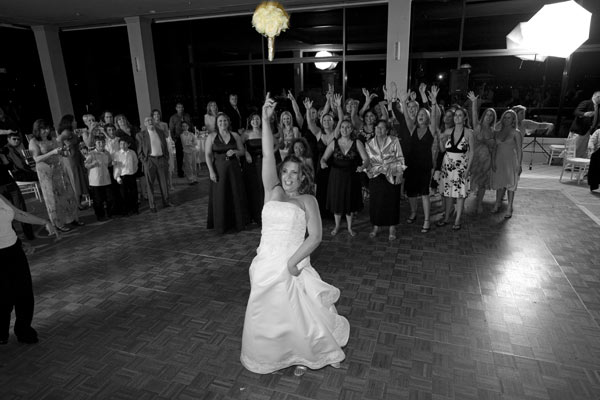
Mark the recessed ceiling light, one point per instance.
(78, 14)
(152, 11)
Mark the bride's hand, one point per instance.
(293, 269)
(268, 108)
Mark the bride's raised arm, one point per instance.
(269, 167)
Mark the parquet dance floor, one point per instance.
(152, 307)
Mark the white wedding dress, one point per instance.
(289, 320)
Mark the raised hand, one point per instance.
(404, 97)
(385, 92)
(393, 90)
(330, 89)
(308, 103)
(268, 108)
(471, 96)
(432, 95)
(337, 100)
(422, 88)
(291, 96)
(412, 95)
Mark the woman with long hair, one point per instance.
(252, 139)
(483, 140)
(456, 167)
(506, 161)
(420, 160)
(348, 159)
(385, 171)
(227, 208)
(210, 118)
(59, 196)
(290, 318)
(74, 159)
(324, 135)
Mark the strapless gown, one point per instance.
(289, 320)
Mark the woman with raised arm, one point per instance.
(420, 161)
(227, 196)
(506, 161)
(290, 318)
(324, 135)
(456, 167)
(483, 141)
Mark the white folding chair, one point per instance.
(30, 187)
(572, 162)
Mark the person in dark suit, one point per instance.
(19, 168)
(175, 128)
(154, 154)
(235, 114)
(587, 120)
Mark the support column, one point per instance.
(141, 48)
(398, 43)
(53, 68)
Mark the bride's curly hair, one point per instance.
(307, 185)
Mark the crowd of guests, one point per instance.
(405, 144)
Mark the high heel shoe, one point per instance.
(411, 219)
(426, 229)
(373, 233)
(63, 228)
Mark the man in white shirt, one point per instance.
(154, 154)
(125, 167)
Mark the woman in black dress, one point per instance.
(386, 166)
(252, 139)
(227, 196)
(324, 135)
(420, 160)
(344, 190)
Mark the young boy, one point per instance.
(125, 167)
(97, 162)
(188, 142)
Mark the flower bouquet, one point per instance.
(270, 19)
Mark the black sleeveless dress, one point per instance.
(322, 179)
(417, 176)
(344, 195)
(253, 179)
(227, 197)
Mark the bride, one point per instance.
(290, 318)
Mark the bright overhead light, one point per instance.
(556, 30)
(325, 65)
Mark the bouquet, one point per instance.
(270, 19)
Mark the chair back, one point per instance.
(28, 158)
(570, 146)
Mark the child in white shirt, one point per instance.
(97, 163)
(125, 167)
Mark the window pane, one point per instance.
(367, 29)
(435, 26)
(100, 79)
(22, 89)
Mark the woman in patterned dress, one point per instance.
(456, 167)
(483, 139)
(57, 189)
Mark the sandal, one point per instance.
(392, 235)
(299, 370)
(456, 227)
(373, 233)
(411, 219)
(63, 228)
(441, 223)
(425, 229)
(334, 232)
